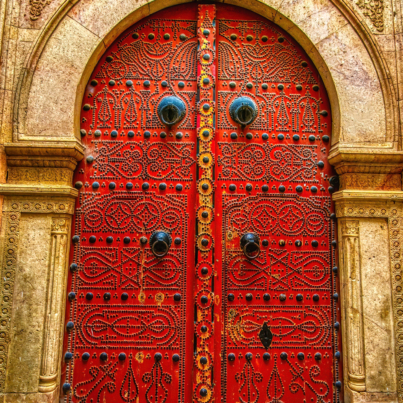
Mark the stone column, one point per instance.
(55, 303)
(350, 273)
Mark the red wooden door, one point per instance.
(201, 267)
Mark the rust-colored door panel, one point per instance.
(204, 240)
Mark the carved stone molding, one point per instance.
(55, 304)
(373, 9)
(387, 205)
(352, 303)
(12, 210)
(50, 176)
(370, 181)
(36, 7)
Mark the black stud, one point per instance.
(92, 239)
(266, 356)
(85, 356)
(304, 64)
(280, 87)
(177, 297)
(95, 185)
(143, 240)
(204, 214)
(315, 244)
(126, 240)
(233, 136)
(72, 296)
(265, 242)
(280, 39)
(175, 358)
(333, 216)
(299, 297)
(231, 357)
(107, 296)
(334, 243)
(249, 38)
(315, 87)
(295, 137)
(281, 242)
(265, 38)
(89, 296)
(249, 297)
(130, 134)
(68, 356)
(97, 133)
(163, 135)
(206, 107)
(206, 133)
(300, 356)
(206, 56)
(147, 83)
(145, 186)
(233, 37)
(232, 188)
(315, 297)
(282, 297)
(280, 137)
(204, 271)
(147, 134)
(249, 85)
(298, 243)
(124, 296)
(203, 392)
(73, 267)
(178, 187)
(181, 84)
(164, 84)
(177, 241)
(114, 133)
(283, 356)
(321, 164)
(203, 329)
(249, 136)
(311, 138)
(122, 356)
(265, 188)
(314, 189)
(83, 132)
(167, 36)
(109, 59)
(103, 356)
(75, 238)
(249, 187)
(151, 36)
(109, 239)
(135, 35)
(204, 299)
(248, 356)
(206, 160)
(331, 189)
(266, 297)
(162, 186)
(265, 136)
(337, 325)
(129, 83)
(325, 139)
(299, 189)
(281, 188)
(87, 107)
(112, 185)
(323, 113)
(204, 242)
(203, 360)
(205, 186)
(94, 83)
(157, 356)
(299, 87)
(78, 185)
(335, 269)
(112, 83)
(66, 388)
(318, 356)
(337, 354)
(206, 81)
(206, 32)
(69, 326)
(232, 84)
(338, 384)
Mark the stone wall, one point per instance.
(49, 48)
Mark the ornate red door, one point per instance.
(204, 242)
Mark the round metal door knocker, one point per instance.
(171, 110)
(160, 243)
(250, 245)
(243, 110)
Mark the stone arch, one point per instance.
(50, 90)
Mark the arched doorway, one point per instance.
(203, 234)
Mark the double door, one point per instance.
(203, 240)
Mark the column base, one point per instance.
(351, 396)
(51, 397)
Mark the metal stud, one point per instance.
(249, 297)
(233, 37)
(318, 356)
(109, 239)
(280, 39)
(265, 38)
(231, 357)
(265, 188)
(234, 136)
(314, 189)
(129, 186)
(203, 360)
(94, 83)
(112, 83)
(73, 267)
(315, 243)
(112, 185)
(130, 134)
(249, 187)
(248, 356)
(299, 189)
(315, 297)
(266, 297)
(66, 388)
(103, 356)
(325, 139)
(181, 84)
(145, 186)
(249, 38)
(299, 297)
(83, 132)
(231, 297)
(167, 36)
(265, 242)
(283, 356)
(281, 188)
(151, 36)
(249, 136)
(311, 138)
(232, 188)
(298, 243)
(126, 240)
(265, 136)
(87, 107)
(89, 296)
(175, 358)
(86, 356)
(204, 329)
(232, 84)
(114, 133)
(122, 356)
(299, 87)
(68, 356)
(295, 137)
(178, 187)
(147, 134)
(95, 185)
(182, 37)
(92, 239)
(78, 185)
(107, 296)
(69, 326)
(72, 296)
(203, 392)
(282, 297)
(124, 296)
(280, 137)
(301, 356)
(177, 297)
(204, 271)
(135, 35)
(179, 135)
(206, 32)
(204, 299)
(266, 356)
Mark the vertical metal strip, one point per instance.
(204, 294)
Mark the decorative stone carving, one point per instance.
(36, 7)
(370, 181)
(352, 304)
(373, 9)
(55, 302)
